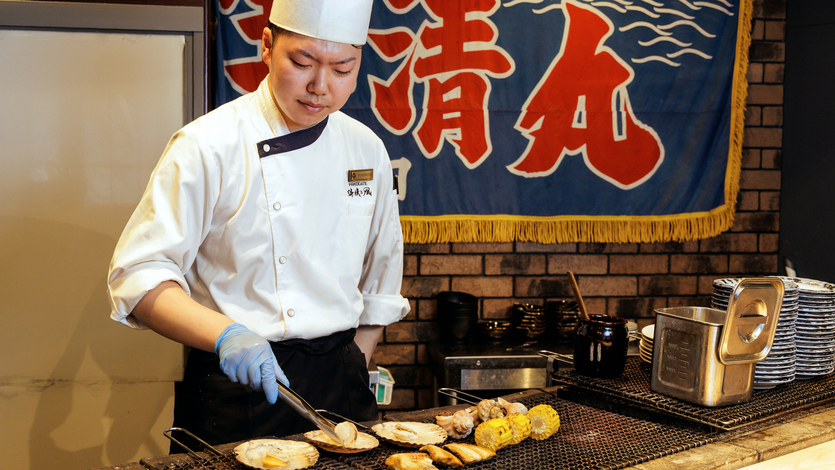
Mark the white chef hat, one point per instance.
(344, 21)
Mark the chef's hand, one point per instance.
(248, 358)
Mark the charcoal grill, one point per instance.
(633, 388)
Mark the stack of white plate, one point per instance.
(779, 367)
(815, 328)
(645, 345)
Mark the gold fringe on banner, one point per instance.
(502, 228)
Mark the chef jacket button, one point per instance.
(276, 205)
(266, 147)
(282, 260)
(291, 312)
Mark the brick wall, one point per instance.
(627, 280)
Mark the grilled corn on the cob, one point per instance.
(494, 434)
(544, 421)
(520, 427)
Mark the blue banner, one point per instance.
(548, 121)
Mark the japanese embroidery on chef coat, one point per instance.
(544, 120)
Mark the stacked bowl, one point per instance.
(561, 319)
(815, 337)
(528, 320)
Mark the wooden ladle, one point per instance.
(583, 312)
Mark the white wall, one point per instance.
(84, 117)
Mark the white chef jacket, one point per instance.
(293, 235)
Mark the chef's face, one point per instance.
(310, 77)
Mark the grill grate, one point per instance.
(229, 462)
(634, 386)
(588, 438)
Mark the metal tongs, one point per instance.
(549, 366)
(460, 395)
(303, 408)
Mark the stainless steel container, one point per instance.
(706, 356)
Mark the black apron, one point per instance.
(329, 373)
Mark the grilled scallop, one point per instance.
(346, 431)
(276, 453)
(410, 434)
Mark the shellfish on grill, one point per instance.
(512, 408)
(457, 425)
(362, 443)
(490, 409)
(276, 453)
(346, 431)
(410, 434)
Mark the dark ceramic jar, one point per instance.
(600, 345)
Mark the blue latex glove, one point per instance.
(247, 358)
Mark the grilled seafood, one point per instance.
(473, 411)
(346, 431)
(275, 453)
(489, 409)
(457, 425)
(410, 461)
(512, 408)
(469, 453)
(403, 433)
(442, 456)
(410, 434)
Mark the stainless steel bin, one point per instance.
(706, 356)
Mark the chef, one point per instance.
(268, 239)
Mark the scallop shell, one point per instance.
(409, 434)
(297, 454)
(363, 443)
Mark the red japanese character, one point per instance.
(581, 106)
(453, 56)
(461, 120)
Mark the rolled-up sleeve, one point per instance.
(382, 275)
(162, 237)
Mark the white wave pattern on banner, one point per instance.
(665, 18)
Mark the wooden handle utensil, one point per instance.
(583, 312)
